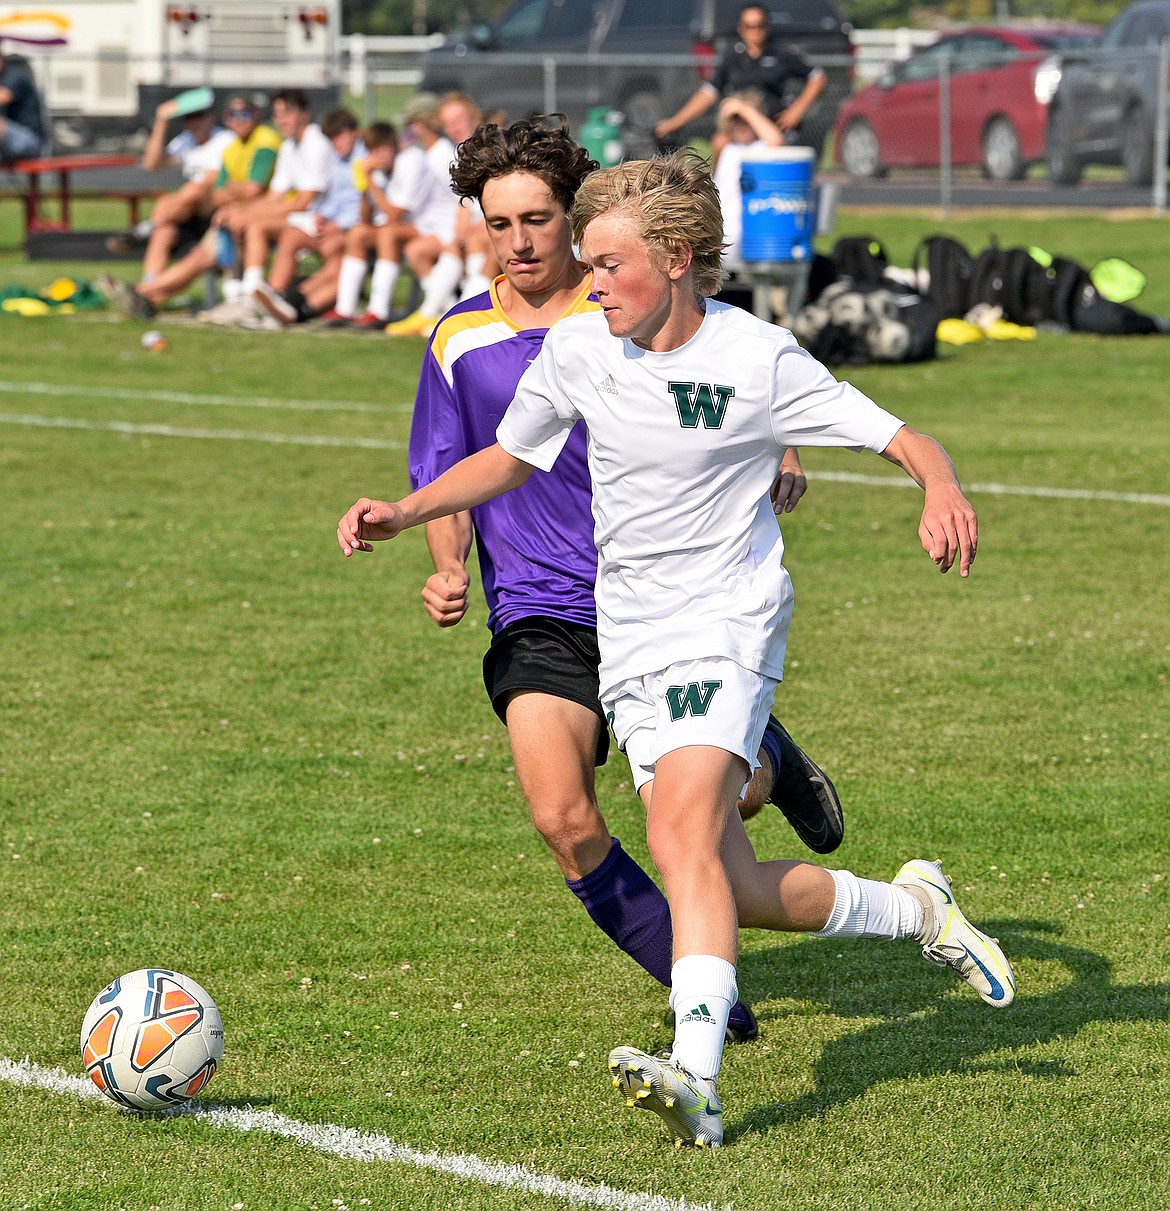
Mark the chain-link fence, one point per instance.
(942, 114)
(643, 89)
(961, 107)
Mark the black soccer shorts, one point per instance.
(549, 657)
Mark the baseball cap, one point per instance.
(252, 103)
(421, 105)
(193, 101)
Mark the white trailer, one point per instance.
(103, 65)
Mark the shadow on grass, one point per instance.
(954, 1037)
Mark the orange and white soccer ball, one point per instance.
(151, 1039)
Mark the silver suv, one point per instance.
(1104, 109)
(642, 57)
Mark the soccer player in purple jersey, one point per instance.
(537, 558)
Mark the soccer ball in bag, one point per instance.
(151, 1039)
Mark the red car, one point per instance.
(1001, 82)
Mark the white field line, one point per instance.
(33, 420)
(192, 399)
(231, 435)
(365, 1146)
(890, 481)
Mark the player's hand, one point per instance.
(791, 484)
(234, 218)
(165, 110)
(949, 529)
(367, 522)
(445, 597)
(790, 118)
(731, 107)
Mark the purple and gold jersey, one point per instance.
(536, 552)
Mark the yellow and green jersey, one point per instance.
(250, 159)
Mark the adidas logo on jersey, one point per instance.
(607, 385)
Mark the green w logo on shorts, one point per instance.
(693, 697)
(701, 401)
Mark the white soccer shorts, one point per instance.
(713, 702)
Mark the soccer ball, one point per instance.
(888, 340)
(151, 1039)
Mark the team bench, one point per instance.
(35, 221)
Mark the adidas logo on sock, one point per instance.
(607, 385)
(699, 1014)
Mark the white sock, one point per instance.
(439, 285)
(232, 290)
(475, 281)
(382, 287)
(473, 284)
(702, 992)
(349, 284)
(253, 276)
(866, 909)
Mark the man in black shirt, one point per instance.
(21, 126)
(755, 62)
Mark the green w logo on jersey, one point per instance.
(691, 697)
(701, 402)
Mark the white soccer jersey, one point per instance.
(683, 449)
(198, 159)
(727, 173)
(420, 184)
(304, 165)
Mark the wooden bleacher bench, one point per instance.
(35, 220)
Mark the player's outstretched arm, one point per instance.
(949, 529)
(486, 474)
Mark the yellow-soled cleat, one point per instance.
(687, 1104)
(415, 324)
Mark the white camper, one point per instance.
(104, 65)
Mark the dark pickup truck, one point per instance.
(641, 57)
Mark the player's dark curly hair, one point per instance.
(541, 146)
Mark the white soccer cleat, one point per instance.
(688, 1105)
(228, 314)
(950, 940)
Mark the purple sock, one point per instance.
(771, 746)
(627, 907)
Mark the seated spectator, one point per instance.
(459, 117)
(249, 160)
(372, 234)
(420, 187)
(248, 163)
(179, 219)
(22, 116)
(743, 127)
(393, 225)
(321, 231)
(299, 184)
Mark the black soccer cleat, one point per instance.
(803, 792)
(742, 1026)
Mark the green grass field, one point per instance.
(227, 750)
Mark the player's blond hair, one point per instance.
(676, 204)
